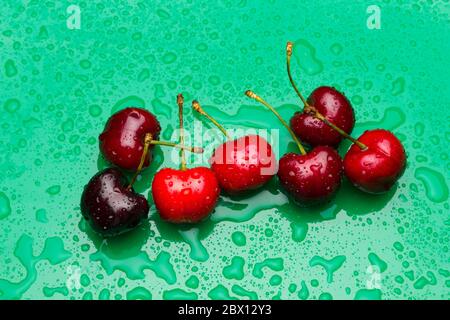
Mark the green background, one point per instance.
(59, 86)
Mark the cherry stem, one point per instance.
(312, 110)
(289, 47)
(196, 106)
(180, 102)
(176, 145)
(148, 138)
(254, 96)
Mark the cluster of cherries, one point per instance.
(374, 162)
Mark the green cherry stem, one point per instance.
(196, 106)
(180, 102)
(148, 140)
(289, 47)
(311, 109)
(254, 96)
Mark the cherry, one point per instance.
(310, 178)
(242, 164)
(110, 206)
(379, 164)
(122, 140)
(185, 195)
(327, 102)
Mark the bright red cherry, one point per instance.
(242, 164)
(110, 204)
(311, 178)
(335, 107)
(122, 140)
(376, 168)
(185, 195)
(324, 102)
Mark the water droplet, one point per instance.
(5, 206)
(436, 188)
(53, 190)
(41, 216)
(169, 57)
(365, 294)
(12, 105)
(95, 110)
(198, 251)
(305, 55)
(276, 264)
(398, 86)
(10, 68)
(330, 266)
(377, 261)
(235, 270)
(139, 293)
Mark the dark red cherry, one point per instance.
(335, 107)
(243, 164)
(122, 140)
(111, 207)
(377, 168)
(312, 178)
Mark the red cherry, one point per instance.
(376, 168)
(243, 164)
(335, 107)
(185, 196)
(312, 178)
(122, 140)
(325, 104)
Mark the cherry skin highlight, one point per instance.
(313, 178)
(109, 206)
(243, 164)
(335, 107)
(122, 140)
(377, 168)
(185, 196)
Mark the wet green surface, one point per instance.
(59, 86)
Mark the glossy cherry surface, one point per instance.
(122, 140)
(185, 196)
(376, 169)
(312, 178)
(335, 107)
(109, 206)
(243, 164)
